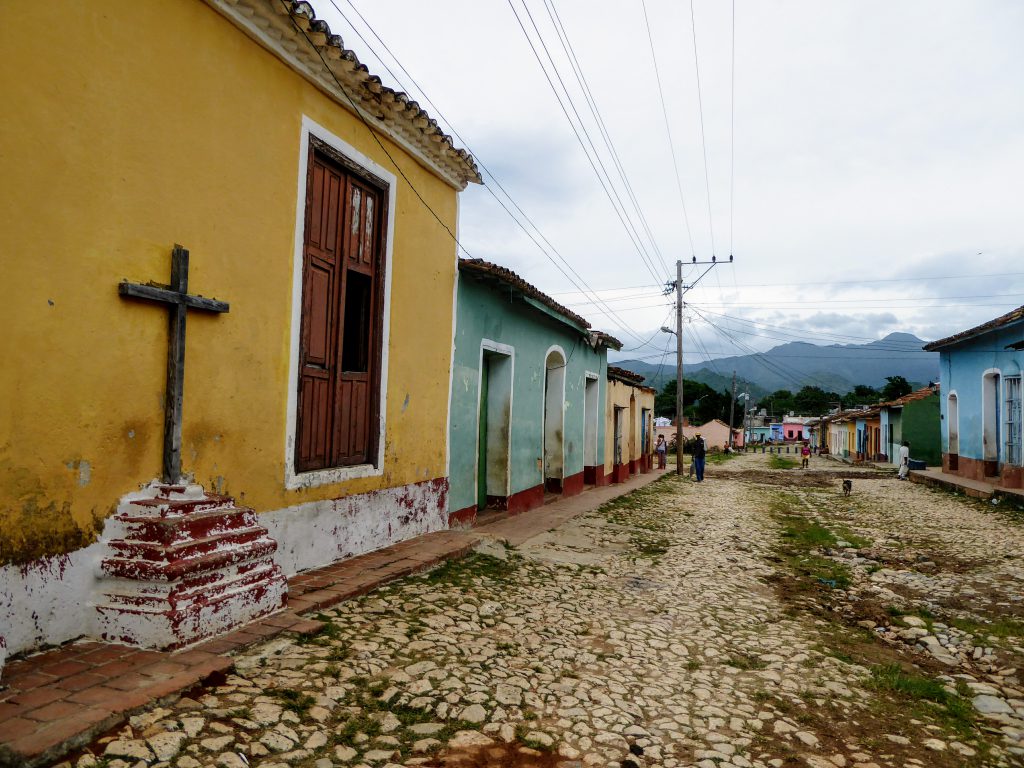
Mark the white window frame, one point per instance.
(295, 480)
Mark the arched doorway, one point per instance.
(633, 430)
(990, 422)
(953, 432)
(554, 416)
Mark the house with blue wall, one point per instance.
(981, 409)
(527, 408)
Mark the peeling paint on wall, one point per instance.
(320, 532)
(35, 526)
(47, 600)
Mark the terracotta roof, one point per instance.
(852, 414)
(273, 24)
(486, 270)
(602, 339)
(919, 394)
(1015, 316)
(627, 377)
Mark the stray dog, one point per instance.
(847, 487)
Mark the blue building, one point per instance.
(981, 400)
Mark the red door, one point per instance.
(338, 410)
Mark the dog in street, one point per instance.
(847, 487)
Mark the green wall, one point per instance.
(922, 429)
(490, 312)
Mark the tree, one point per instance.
(895, 386)
(700, 402)
(665, 401)
(813, 401)
(864, 394)
(780, 402)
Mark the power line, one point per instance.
(668, 129)
(882, 299)
(610, 313)
(359, 113)
(845, 282)
(700, 108)
(876, 345)
(649, 340)
(760, 357)
(732, 132)
(630, 229)
(836, 337)
(581, 79)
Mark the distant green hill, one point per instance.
(657, 376)
(836, 368)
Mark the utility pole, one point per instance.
(680, 289)
(732, 408)
(746, 421)
(679, 368)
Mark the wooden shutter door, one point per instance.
(320, 294)
(356, 411)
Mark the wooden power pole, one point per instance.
(732, 408)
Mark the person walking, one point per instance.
(904, 461)
(661, 449)
(700, 451)
(805, 453)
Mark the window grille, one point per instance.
(1013, 420)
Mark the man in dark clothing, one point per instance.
(699, 453)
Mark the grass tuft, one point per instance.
(775, 461)
(293, 700)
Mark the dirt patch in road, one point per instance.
(801, 478)
(922, 560)
(818, 581)
(512, 755)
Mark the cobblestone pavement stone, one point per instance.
(757, 619)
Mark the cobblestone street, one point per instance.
(758, 619)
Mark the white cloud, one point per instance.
(874, 141)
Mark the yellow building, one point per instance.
(629, 426)
(318, 205)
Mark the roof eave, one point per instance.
(1010, 319)
(272, 24)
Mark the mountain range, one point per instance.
(836, 367)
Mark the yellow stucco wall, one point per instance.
(619, 394)
(132, 126)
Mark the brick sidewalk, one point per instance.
(59, 700)
(974, 488)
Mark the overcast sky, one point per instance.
(879, 157)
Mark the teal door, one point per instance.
(481, 471)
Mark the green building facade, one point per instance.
(527, 396)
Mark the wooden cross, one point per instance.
(179, 299)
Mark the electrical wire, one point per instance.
(648, 341)
(668, 130)
(627, 225)
(732, 134)
(581, 79)
(373, 133)
(700, 108)
(843, 283)
(576, 279)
